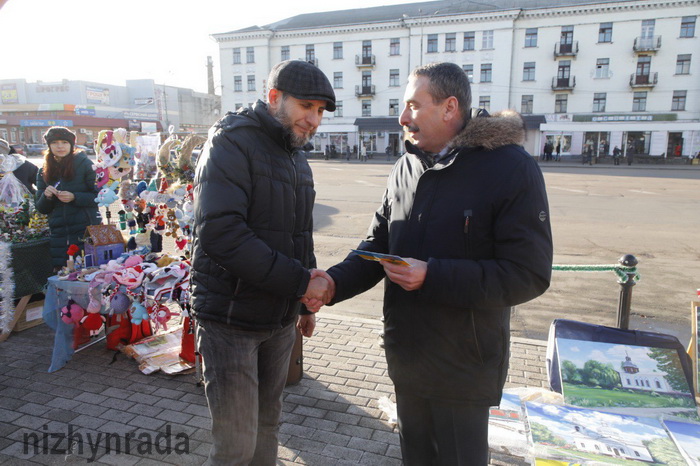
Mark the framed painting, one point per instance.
(694, 348)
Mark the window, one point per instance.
(337, 50)
(394, 46)
(285, 53)
(366, 108)
(366, 79)
(605, 32)
(678, 103)
(560, 103)
(485, 102)
(469, 70)
(432, 43)
(599, 102)
(485, 76)
(237, 84)
(531, 37)
(469, 40)
(366, 49)
(338, 80)
(487, 40)
(237, 106)
(683, 64)
(393, 107)
(643, 69)
(602, 68)
(393, 78)
(688, 26)
(564, 73)
(639, 102)
(251, 82)
(250, 55)
(451, 42)
(338, 109)
(310, 53)
(237, 56)
(526, 104)
(529, 71)
(566, 39)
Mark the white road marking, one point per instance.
(641, 191)
(568, 189)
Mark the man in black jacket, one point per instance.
(466, 207)
(252, 255)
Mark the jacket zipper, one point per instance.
(476, 338)
(294, 222)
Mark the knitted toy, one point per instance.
(138, 313)
(71, 313)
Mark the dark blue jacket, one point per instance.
(480, 219)
(67, 221)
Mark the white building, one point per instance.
(614, 73)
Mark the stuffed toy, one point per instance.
(160, 314)
(138, 313)
(119, 303)
(107, 195)
(93, 323)
(71, 313)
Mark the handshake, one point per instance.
(320, 290)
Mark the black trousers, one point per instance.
(435, 432)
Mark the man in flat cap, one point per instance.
(252, 255)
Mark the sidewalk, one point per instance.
(330, 417)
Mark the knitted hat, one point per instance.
(302, 80)
(4, 147)
(59, 133)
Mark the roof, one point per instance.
(378, 124)
(410, 10)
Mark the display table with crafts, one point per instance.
(121, 302)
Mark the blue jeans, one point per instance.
(244, 376)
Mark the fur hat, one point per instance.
(59, 133)
(302, 80)
(4, 147)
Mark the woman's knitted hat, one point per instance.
(59, 133)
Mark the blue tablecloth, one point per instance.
(58, 292)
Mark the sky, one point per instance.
(112, 41)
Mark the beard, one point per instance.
(282, 116)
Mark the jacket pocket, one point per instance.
(467, 227)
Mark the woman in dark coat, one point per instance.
(66, 193)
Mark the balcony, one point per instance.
(364, 91)
(644, 80)
(365, 62)
(564, 84)
(566, 50)
(647, 44)
(313, 61)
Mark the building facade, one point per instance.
(28, 109)
(583, 74)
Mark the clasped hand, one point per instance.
(63, 196)
(320, 290)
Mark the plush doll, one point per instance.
(71, 313)
(107, 196)
(93, 323)
(160, 314)
(119, 303)
(171, 223)
(138, 313)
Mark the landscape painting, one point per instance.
(507, 428)
(624, 378)
(695, 343)
(587, 437)
(687, 438)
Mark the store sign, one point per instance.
(557, 117)
(97, 95)
(144, 101)
(9, 93)
(84, 110)
(626, 117)
(66, 123)
(52, 88)
(140, 115)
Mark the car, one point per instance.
(19, 148)
(35, 149)
(86, 149)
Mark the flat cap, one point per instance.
(302, 80)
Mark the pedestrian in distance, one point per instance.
(25, 170)
(558, 151)
(466, 208)
(66, 193)
(363, 153)
(252, 251)
(548, 149)
(616, 155)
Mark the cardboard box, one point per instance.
(30, 316)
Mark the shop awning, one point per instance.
(379, 124)
(534, 121)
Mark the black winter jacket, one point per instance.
(480, 220)
(67, 221)
(253, 203)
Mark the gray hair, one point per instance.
(447, 80)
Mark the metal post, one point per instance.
(623, 310)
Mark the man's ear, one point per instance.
(273, 97)
(451, 108)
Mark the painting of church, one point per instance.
(604, 441)
(633, 378)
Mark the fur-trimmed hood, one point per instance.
(491, 132)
